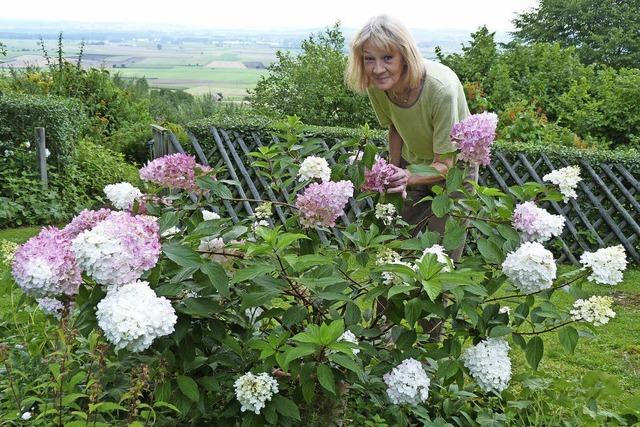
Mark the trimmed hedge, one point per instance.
(247, 124)
(62, 118)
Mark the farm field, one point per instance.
(197, 67)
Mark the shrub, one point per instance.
(62, 119)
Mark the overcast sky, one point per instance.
(427, 14)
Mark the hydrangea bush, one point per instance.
(267, 323)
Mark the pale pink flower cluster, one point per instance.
(321, 204)
(85, 220)
(173, 171)
(377, 179)
(118, 249)
(474, 137)
(536, 224)
(46, 266)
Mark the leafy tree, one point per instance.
(602, 31)
(311, 84)
(3, 49)
(476, 59)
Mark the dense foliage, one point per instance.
(311, 85)
(544, 93)
(602, 31)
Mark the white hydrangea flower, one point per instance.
(213, 244)
(47, 153)
(258, 224)
(441, 256)
(253, 391)
(567, 179)
(263, 211)
(536, 224)
(530, 268)
(385, 212)
(170, 232)
(314, 167)
(51, 306)
(596, 310)
(252, 314)
(488, 363)
(607, 264)
(387, 256)
(407, 383)
(132, 316)
(26, 416)
(208, 215)
(122, 195)
(505, 310)
(349, 336)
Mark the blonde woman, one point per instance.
(418, 100)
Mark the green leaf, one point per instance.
(454, 234)
(217, 275)
(406, 339)
(216, 187)
(568, 338)
(251, 272)
(352, 314)
(287, 239)
(400, 289)
(441, 205)
(296, 353)
(454, 179)
(201, 307)
(412, 310)
(108, 407)
(181, 255)
(188, 387)
(325, 377)
(286, 407)
(345, 361)
(490, 251)
(433, 289)
(294, 314)
(534, 352)
(499, 331)
(331, 332)
(423, 170)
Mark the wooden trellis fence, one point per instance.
(606, 212)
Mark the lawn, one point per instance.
(614, 350)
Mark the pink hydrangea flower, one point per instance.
(173, 171)
(377, 179)
(474, 137)
(321, 204)
(46, 266)
(85, 220)
(119, 249)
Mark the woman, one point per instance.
(418, 100)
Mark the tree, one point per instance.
(311, 85)
(602, 31)
(3, 49)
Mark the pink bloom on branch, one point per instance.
(474, 136)
(85, 220)
(321, 204)
(46, 266)
(377, 179)
(173, 171)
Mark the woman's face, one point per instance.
(383, 68)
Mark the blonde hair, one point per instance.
(386, 33)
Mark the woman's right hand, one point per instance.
(398, 181)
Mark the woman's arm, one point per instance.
(440, 164)
(395, 146)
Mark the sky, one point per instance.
(265, 14)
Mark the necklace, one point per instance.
(403, 98)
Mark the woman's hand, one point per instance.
(398, 181)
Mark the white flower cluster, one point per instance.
(596, 310)
(505, 309)
(441, 256)
(385, 212)
(314, 167)
(51, 306)
(407, 383)
(349, 336)
(170, 232)
(389, 256)
(208, 215)
(607, 264)
(258, 224)
(567, 179)
(122, 195)
(212, 244)
(263, 211)
(530, 268)
(536, 224)
(252, 391)
(488, 363)
(132, 316)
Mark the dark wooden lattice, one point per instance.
(605, 213)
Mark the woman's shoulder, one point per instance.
(439, 77)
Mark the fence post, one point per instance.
(42, 157)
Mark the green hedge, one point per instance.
(247, 124)
(62, 118)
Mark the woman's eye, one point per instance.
(388, 58)
(368, 59)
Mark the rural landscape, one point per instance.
(200, 227)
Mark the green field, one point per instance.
(197, 68)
